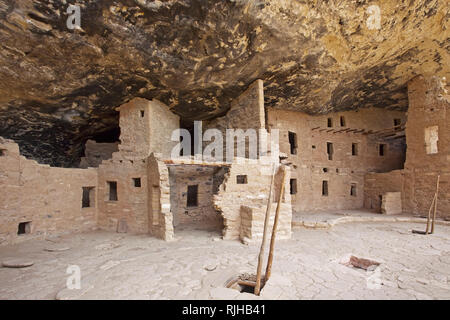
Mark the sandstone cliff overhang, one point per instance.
(59, 87)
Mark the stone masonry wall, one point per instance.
(246, 112)
(96, 152)
(160, 214)
(344, 172)
(429, 104)
(146, 127)
(242, 205)
(203, 215)
(131, 206)
(50, 198)
(377, 184)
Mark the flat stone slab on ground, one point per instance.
(17, 263)
(56, 248)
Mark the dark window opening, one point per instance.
(313, 147)
(324, 188)
(142, 113)
(293, 185)
(354, 149)
(382, 149)
(112, 185)
(189, 126)
(137, 182)
(241, 179)
(397, 122)
(88, 197)
(353, 189)
(342, 120)
(330, 122)
(325, 170)
(109, 135)
(337, 170)
(293, 142)
(24, 228)
(2, 152)
(192, 196)
(330, 150)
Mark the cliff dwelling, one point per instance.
(128, 146)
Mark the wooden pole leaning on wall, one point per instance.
(432, 206)
(429, 215)
(263, 243)
(275, 224)
(435, 204)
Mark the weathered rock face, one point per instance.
(59, 87)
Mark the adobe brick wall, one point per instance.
(344, 169)
(51, 198)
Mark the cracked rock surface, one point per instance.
(310, 266)
(59, 87)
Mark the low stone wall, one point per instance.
(252, 222)
(377, 184)
(160, 215)
(96, 152)
(253, 195)
(45, 199)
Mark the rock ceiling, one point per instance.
(59, 86)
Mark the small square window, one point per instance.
(354, 149)
(241, 179)
(353, 190)
(293, 142)
(330, 122)
(137, 182)
(382, 149)
(324, 188)
(330, 150)
(293, 185)
(112, 185)
(88, 198)
(192, 196)
(24, 228)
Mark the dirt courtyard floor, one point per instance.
(198, 264)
